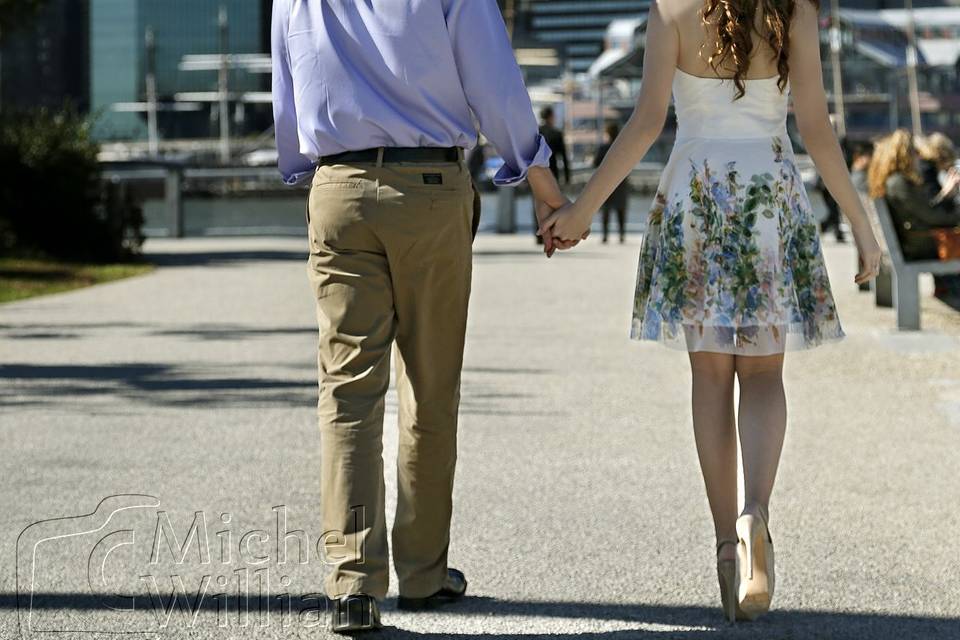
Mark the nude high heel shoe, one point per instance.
(755, 572)
(727, 576)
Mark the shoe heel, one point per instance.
(755, 566)
(726, 574)
(745, 533)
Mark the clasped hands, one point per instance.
(563, 225)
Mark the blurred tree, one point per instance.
(53, 202)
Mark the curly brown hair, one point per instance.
(893, 154)
(736, 22)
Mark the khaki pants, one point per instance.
(390, 262)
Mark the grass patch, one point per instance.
(27, 278)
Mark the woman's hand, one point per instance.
(567, 226)
(870, 254)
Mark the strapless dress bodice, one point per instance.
(706, 108)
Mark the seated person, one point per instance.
(916, 207)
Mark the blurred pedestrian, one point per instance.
(555, 139)
(834, 220)
(558, 148)
(619, 199)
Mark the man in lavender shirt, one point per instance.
(375, 102)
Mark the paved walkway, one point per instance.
(579, 506)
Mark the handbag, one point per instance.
(948, 243)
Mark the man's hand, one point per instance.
(547, 198)
(543, 211)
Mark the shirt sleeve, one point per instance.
(494, 87)
(294, 167)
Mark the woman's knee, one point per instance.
(765, 367)
(716, 367)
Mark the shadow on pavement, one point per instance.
(206, 258)
(232, 332)
(204, 386)
(150, 383)
(536, 253)
(72, 331)
(213, 258)
(661, 621)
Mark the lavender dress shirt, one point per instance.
(357, 74)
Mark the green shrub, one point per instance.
(52, 199)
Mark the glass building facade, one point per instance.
(118, 59)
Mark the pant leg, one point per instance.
(430, 261)
(606, 221)
(350, 277)
(622, 221)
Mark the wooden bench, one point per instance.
(906, 274)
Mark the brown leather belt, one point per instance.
(423, 155)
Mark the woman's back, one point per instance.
(698, 40)
(731, 262)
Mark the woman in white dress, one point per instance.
(731, 268)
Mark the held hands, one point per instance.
(548, 199)
(552, 243)
(566, 227)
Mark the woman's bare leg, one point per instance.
(714, 427)
(763, 423)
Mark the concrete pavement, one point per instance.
(579, 508)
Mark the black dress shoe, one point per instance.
(354, 614)
(454, 586)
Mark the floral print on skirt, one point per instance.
(731, 260)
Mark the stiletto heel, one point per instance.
(727, 576)
(755, 573)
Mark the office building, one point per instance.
(119, 63)
(46, 62)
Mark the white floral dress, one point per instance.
(731, 261)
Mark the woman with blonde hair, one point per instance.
(731, 269)
(916, 206)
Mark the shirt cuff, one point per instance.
(510, 177)
(298, 178)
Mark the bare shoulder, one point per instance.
(805, 16)
(677, 12)
(805, 39)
